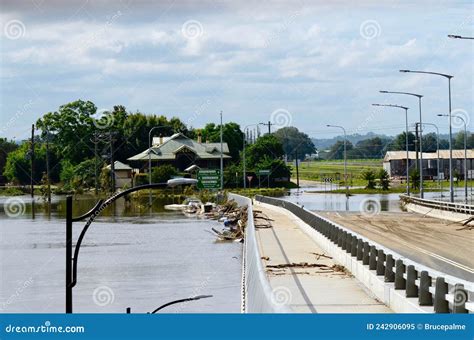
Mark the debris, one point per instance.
(321, 255)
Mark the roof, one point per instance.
(443, 154)
(120, 166)
(179, 142)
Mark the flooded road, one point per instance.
(136, 259)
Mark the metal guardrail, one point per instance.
(258, 296)
(461, 208)
(446, 293)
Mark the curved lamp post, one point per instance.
(465, 151)
(419, 96)
(454, 36)
(345, 155)
(194, 298)
(71, 262)
(406, 140)
(451, 187)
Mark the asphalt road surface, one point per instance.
(442, 245)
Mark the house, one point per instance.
(123, 174)
(394, 163)
(182, 152)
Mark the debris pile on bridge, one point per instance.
(234, 219)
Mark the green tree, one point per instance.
(163, 173)
(278, 168)
(415, 178)
(384, 179)
(369, 176)
(399, 143)
(371, 148)
(294, 140)
(265, 146)
(5, 148)
(430, 142)
(231, 134)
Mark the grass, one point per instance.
(317, 170)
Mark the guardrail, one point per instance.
(460, 208)
(257, 292)
(431, 288)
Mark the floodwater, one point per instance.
(134, 259)
(339, 202)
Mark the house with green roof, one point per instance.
(182, 152)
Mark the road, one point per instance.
(301, 275)
(442, 245)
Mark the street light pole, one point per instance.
(419, 96)
(437, 148)
(465, 152)
(345, 155)
(406, 141)
(451, 183)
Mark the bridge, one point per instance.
(337, 263)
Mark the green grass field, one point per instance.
(317, 170)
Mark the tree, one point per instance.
(458, 142)
(430, 142)
(5, 148)
(163, 173)
(371, 148)
(267, 145)
(294, 140)
(369, 176)
(277, 167)
(399, 143)
(384, 179)
(415, 178)
(337, 150)
(231, 134)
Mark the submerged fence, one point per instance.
(445, 293)
(257, 294)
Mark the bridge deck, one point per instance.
(318, 287)
(442, 245)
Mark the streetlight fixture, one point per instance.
(465, 150)
(419, 96)
(451, 187)
(193, 298)
(243, 152)
(406, 140)
(437, 148)
(454, 36)
(345, 155)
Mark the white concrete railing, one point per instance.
(412, 288)
(460, 208)
(257, 294)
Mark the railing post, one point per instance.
(373, 258)
(441, 305)
(348, 242)
(366, 253)
(340, 238)
(360, 250)
(69, 254)
(411, 289)
(354, 246)
(389, 274)
(425, 298)
(460, 298)
(400, 282)
(380, 269)
(343, 240)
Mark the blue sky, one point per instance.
(304, 63)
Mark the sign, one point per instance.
(470, 174)
(209, 179)
(264, 172)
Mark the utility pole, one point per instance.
(270, 127)
(297, 169)
(222, 158)
(416, 146)
(112, 165)
(47, 167)
(95, 139)
(32, 160)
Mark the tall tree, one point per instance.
(231, 134)
(399, 143)
(337, 150)
(295, 141)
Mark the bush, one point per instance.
(163, 173)
(384, 179)
(369, 176)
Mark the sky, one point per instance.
(300, 63)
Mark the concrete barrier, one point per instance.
(412, 288)
(257, 294)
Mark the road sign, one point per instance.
(209, 179)
(264, 172)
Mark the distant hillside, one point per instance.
(326, 143)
